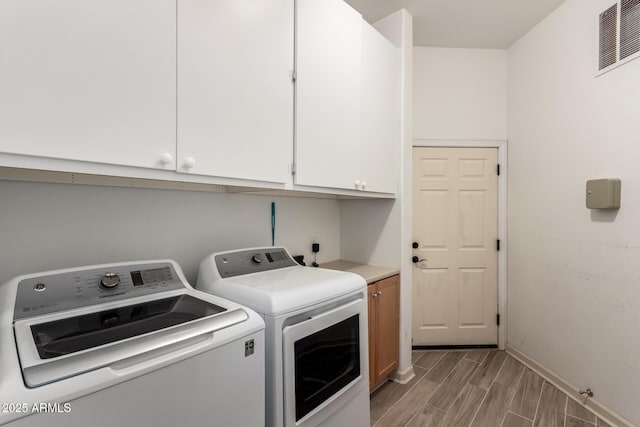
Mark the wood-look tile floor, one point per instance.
(477, 388)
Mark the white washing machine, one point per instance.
(316, 334)
(129, 344)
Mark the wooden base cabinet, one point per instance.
(384, 328)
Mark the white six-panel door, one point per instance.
(455, 225)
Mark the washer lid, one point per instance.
(72, 334)
(281, 291)
(60, 345)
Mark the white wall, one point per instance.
(370, 231)
(379, 231)
(49, 226)
(459, 94)
(574, 284)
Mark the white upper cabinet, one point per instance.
(235, 94)
(328, 65)
(89, 80)
(380, 108)
(204, 88)
(347, 100)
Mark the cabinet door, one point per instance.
(380, 94)
(328, 66)
(235, 94)
(387, 326)
(371, 293)
(89, 80)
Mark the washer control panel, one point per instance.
(243, 262)
(58, 292)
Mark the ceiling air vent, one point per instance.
(618, 35)
(629, 28)
(608, 49)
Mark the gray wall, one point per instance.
(50, 226)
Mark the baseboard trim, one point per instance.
(452, 347)
(569, 389)
(403, 377)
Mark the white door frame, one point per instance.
(501, 145)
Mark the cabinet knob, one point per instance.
(357, 183)
(166, 158)
(189, 162)
(364, 184)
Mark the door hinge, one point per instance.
(498, 169)
(292, 168)
(498, 319)
(497, 244)
(293, 75)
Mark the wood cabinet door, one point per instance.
(235, 93)
(387, 326)
(89, 80)
(380, 101)
(328, 66)
(371, 292)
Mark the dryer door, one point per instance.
(325, 358)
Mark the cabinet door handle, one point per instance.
(189, 162)
(166, 158)
(378, 293)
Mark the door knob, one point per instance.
(415, 245)
(416, 259)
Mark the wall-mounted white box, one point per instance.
(603, 193)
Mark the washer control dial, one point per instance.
(256, 259)
(109, 281)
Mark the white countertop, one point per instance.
(370, 273)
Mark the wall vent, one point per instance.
(608, 50)
(629, 28)
(618, 34)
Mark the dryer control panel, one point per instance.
(249, 261)
(53, 293)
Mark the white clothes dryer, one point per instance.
(316, 334)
